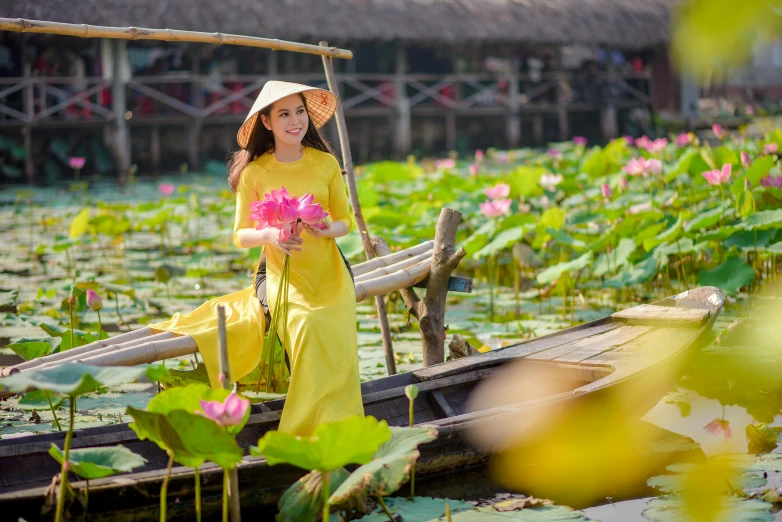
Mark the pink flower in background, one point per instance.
(495, 207)
(643, 142)
(554, 153)
(624, 183)
(474, 169)
(501, 157)
(606, 191)
(166, 189)
(719, 427)
(654, 166)
(580, 140)
(683, 139)
(718, 131)
(501, 190)
(479, 155)
(77, 162)
(630, 140)
(749, 110)
(652, 146)
(94, 301)
(227, 413)
(718, 177)
(772, 181)
(770, 148)
(745, 159)
(445, 164)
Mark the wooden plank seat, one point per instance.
(384, 274)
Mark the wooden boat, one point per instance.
(637, 355)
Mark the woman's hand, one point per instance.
(317, 232)
(289, 245)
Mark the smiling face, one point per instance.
(288, 120)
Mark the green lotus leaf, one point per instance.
(333, 445)
(95, 463)
(421, 509)
(732, 509)
(36, 400)
(192, 439)
(503, 240)
(29, 349)
(304, 499)
(616, 259)
(389, 469)
(188, 398)
(764, 220)
(553, 273)
(730, 276)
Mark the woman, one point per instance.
(281, 147)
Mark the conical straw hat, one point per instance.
(321, 105)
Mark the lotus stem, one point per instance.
(51, 407)
(71, 300)
(447, 512)
(198, 495)
(64, 469)
(412, 468)
(225, 494)
(385, 508)
(164, 487)
(100, 325)
(324, 490)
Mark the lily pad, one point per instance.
(732, 509)
(390, 468)
(421, 509)
(36, 400)
(730, 276)
(553, 273)
(353, 440)
(29, 349)
(95, 463)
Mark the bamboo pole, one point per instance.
(404, 278)
(347, 162)
(386, 260)
(20, 25)
(390, 269)
(117, 339)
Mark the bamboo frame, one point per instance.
(21, 25)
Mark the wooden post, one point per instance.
(513, 121)
(537, 128)
(564, 128)
(225, 371)
(366, 240)
(27, 130)
(450, 130)
(403, 116)
(430, 311)
(119, 104)
(608, 120)
(194, 129)
(154, 147)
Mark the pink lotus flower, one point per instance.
(580, 140)
(654, 166)
(643, 167)
(629, 139)
(474, 169)
(445, 164)
(227, 413)
(623, 181)
(501, 157)
(606, 191)
(554, 153)
(745, 159)
(719, 427)
(772, 181)
(495, 207)
(718, 177)
(479, 155)
(311, 213)
(718, 131)
(500, 190)
(652, 146)
(550, 181)
(770, 148)
(166, 189)
(683, 139)
(278, 195)
(77, 162)
(94, 301)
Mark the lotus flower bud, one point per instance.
(94, 301)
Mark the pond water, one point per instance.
(738, 384)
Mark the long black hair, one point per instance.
(262, 141)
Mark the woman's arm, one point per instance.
(339, 208)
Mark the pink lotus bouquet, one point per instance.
(282, 211)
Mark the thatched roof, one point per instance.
(617, 23)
